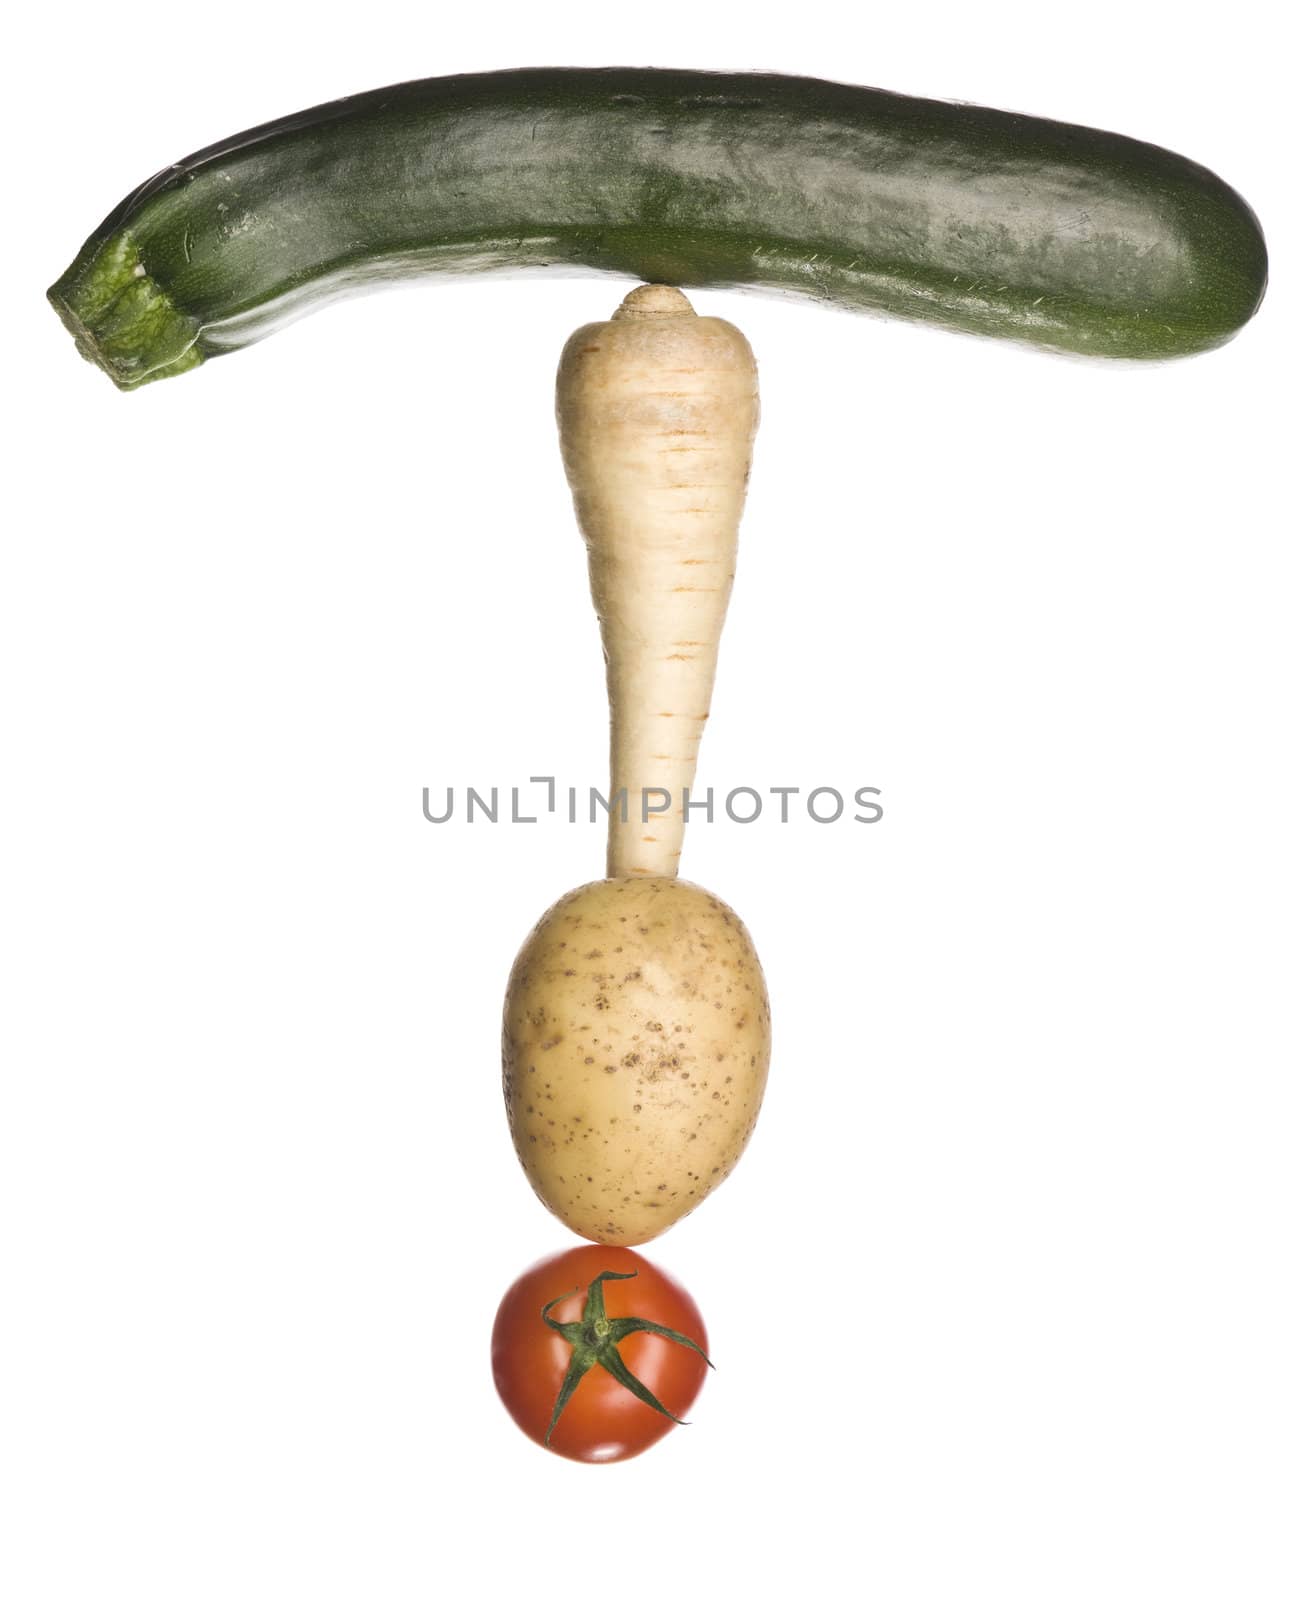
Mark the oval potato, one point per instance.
(636, 1046)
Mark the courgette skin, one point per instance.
(985, 221)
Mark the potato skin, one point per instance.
(636, 1046)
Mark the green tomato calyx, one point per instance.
(594, 1340)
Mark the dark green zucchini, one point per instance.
(980, 220)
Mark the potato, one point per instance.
(636, 1044)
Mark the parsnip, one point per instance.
(657, 411)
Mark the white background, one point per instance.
(1002, 1295)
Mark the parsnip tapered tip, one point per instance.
(653, 300)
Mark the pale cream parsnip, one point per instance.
(657, 411)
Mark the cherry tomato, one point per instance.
(569, 1335)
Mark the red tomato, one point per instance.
(601, 1419)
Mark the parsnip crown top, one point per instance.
(653, 300)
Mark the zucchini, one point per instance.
(980, 220)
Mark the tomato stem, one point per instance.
(594, 1340)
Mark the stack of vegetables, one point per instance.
(637, 1025)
